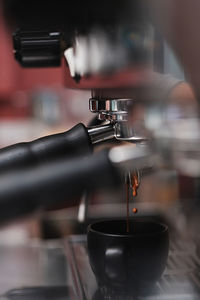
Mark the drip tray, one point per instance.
(40, 293)
(180, 281)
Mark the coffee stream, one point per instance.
(132, 182)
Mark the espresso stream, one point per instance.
(133, 183)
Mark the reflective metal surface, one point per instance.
(125, 132)
(101, 133)
(111, 109)
(117, 112)
(38, 270)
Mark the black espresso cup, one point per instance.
(128, 261)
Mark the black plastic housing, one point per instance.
(74, 142)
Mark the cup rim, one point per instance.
(163, 230)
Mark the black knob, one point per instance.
(35, 49)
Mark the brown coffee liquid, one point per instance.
(133, 182)
(134, 210)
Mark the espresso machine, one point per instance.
(111, 48)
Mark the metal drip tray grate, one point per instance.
(181, 280)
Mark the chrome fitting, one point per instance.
(117, 112)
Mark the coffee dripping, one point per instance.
(132, 181)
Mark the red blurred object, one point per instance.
(15, 81)
(13, 77)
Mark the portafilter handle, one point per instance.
(77, 141)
